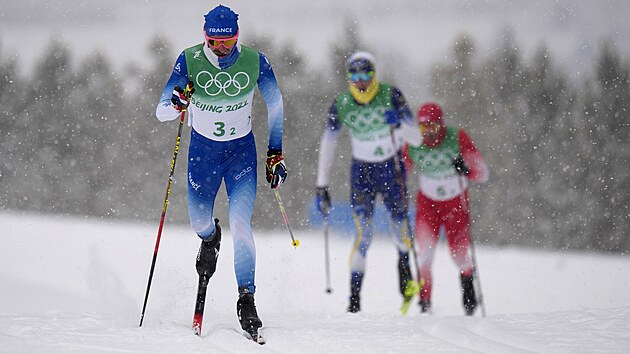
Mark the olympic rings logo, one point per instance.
(366, 120)
(222, 82)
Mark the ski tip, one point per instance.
(255, 335)
(412, 289)
(196, 326)
(405, 307)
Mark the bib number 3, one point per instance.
(220, 129)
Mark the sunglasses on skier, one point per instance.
(361, 76)
(226, 42)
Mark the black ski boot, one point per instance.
(209, 253)
(425, 306)
(469, 298)
(355, 288)
(404, 276)
(247, 315)
(355, 303)
(206, 265)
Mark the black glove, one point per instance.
(322, 199)
(181, 97)
(460, 166)
(275, 168)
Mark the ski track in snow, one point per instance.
(74, 285)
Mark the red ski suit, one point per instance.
(442, 199)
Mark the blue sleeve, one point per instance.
(268, 87)
(332, 121)
(179, 77)
(400, 105)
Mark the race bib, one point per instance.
(442, 188)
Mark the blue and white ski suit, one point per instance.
(222, 144)
(372, 170)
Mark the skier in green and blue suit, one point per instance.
(369, 109)
(224, 74)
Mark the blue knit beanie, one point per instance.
(221, 21)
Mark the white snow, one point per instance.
(76, 285)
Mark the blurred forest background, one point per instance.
(80, 138)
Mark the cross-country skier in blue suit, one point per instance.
(371, 110)
(224, 74)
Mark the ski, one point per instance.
(255, 335)
(200, 304)
(412, 289)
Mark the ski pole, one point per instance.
(187, 93)
(473, 256)
(403, 196)
(295, 242)
(327, 257)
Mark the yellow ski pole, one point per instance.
(413, 287)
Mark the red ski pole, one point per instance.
(187, 93)
(294, 242)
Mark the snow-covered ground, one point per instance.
(74, 285)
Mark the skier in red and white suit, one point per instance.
(445, 162)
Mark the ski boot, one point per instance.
(206, 265)
(408, 287)
(469, 298)
(248, 317)
(425, 306)
(355, 288)
(209, 253)
(404, 274)
(355, 303)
